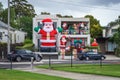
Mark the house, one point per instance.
(108, 45)
(16, 36)
(81, 33)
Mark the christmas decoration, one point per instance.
(63, 42)
(65, 27)
(48, 36)
(94, 43)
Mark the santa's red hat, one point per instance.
(46, 20)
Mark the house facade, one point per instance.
(16, 36)
(72, 31)
(107, 33)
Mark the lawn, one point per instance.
(107, 70)
(20, 75)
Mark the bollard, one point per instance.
(32, 63)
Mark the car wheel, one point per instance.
(102, 58)
(87, 58)
(18, 59)
(38, 59)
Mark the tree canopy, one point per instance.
(22, 8)
(1, 7)
(65, 16)
(21, 14)
(26, 25)
(95, 27)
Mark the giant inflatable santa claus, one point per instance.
(48, 36)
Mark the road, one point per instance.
(8, 64)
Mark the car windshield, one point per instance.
(92, 53)
(28, 51)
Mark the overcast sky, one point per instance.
(103, 10)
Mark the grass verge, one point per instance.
(20, 75)
(106, 69)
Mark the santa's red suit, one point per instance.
(62, 45)
(63, 42)
(48, 36)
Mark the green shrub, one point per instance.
(93, 47)
(2, 43)
(27, 41)
(26, 46)
(117, 52)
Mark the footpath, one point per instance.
(74, 76)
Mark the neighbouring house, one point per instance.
(108, 46)
(16, 36)
(80, 33)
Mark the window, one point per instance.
(20, 51)
(0, 35)
(114, 30)
(92, 53)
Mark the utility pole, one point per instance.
(8, 41)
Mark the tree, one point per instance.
(59, 15)
(4, 16)
(116, 22)
(26, 25)
(1, 7)
(21, 14)
(66, 16)
(45, 13)
(22, 8)
(95, 27)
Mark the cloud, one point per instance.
(104, 2)
(105, 16)
(103, 10)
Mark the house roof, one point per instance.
(3, 25)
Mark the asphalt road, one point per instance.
(9, 65)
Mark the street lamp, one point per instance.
(8, 41)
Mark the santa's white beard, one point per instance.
(63, 40)
(48, 29)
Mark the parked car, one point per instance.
(90, 55)
(23, 54)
